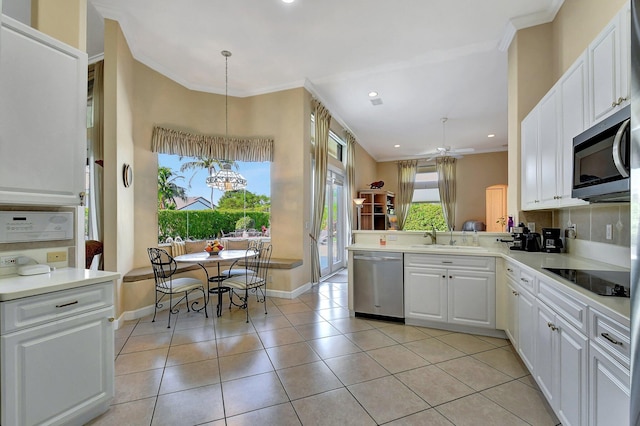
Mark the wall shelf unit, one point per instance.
(375, 208)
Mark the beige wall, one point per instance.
(474, 173)
(65, 20)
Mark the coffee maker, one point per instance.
(551, 242)
(519, 234)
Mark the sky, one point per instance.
(258, 176)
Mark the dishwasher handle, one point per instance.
(376, 258)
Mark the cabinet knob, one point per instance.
(614, 104)
(509, 269)
(111, 319)
(444, 276)
(515, 293)
(524, 280)
(552, 326)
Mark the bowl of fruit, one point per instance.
(213, 247)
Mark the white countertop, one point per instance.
(618, 307)
(16, 286)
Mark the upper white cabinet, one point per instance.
(609, 61)
(43, 98)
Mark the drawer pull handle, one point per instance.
(75, 302)
(525, 280)
(552, 326)
(515, 293)
(111, 319)
(447, 261)
(509, 269)
(611, 339)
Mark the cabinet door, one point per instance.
(43, 98)
(425, 294)
(545, 350)
(606, 72)
(58, 372)
(548, 147)
(530, 173)
(512, 313)
(571, 395)
(573, 121)
(609, 389)
(472, 298)
(526, 335)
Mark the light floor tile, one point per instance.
(294, 308)
(270, 322)
(292, 355)
(504, 361)
(477, 410)
(317, 330)
(279, 337)
(348, 324)
(355, 368)
(130, 387)
(252, 393)
(245, 364)
(397, 358)
(370, 339)
(433, 350)
(337, 407)
(523, 401)
(133, 413)
(192, 335)
(495, 341)
(192, 352)
(403, 333)
(140, 361)
(226, 328)
(387, 399)
(147, 342)
(474, 373)
(466, 343)
(428, 417)
(276, 415)
(188, 376)
(308, 379)
(434, 385)
(238, 344)
(332, 346)
(300, 318)
(187, 407)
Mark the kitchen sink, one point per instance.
(443, 247)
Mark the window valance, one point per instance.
(169, 141)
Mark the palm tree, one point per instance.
(207, 163)
(168, 190)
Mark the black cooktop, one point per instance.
(604, 283)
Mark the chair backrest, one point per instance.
(258, 261)
(264, 259)
(164, 266)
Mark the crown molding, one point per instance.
(526, 21)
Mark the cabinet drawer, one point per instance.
(612, 336)
(478, 263)
(527, 280)
(31, 311)
(569, 308)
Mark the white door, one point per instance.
(571, 396)
(425, 294)
(472, 298)
(512, 313)
(331, 244)
(526, 336)
(545, 350)
(609, 389)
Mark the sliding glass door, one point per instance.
(331, 242)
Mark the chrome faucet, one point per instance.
(451, 240)
(431, 234)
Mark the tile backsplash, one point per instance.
(591, 222)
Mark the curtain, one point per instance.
(351, 179)
(169, 141)
(95, 136)
(446, 168)
(322, 123)
(406, 181)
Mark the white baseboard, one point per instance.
(148, 310)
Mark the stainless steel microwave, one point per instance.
(601, 160)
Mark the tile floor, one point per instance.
(307, 362)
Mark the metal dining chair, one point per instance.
(164, 268)
(254, 280)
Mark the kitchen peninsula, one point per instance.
(574, 342)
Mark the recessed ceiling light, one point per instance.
(287, 1)
(373, 94)
(396, 146)
(491, 135)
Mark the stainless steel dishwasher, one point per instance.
(378, 284)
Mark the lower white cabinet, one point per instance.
(609, 389)
(526, 321)
(561, 365)
(450, 289)
(60, 369)
(511, 329)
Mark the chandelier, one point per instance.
(226, 179)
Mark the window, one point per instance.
(335, 145)
(426, 209)
(188, 208)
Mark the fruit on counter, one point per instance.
(214, 246)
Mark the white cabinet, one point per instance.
(43, 98)
(561, 365)
(57, 356)
(456, 290)
(529, 168)
(526, 321)
(609, 389)
(511, 328)
(609, 62)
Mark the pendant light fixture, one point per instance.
(226, 179)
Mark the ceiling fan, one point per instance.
(446, 151)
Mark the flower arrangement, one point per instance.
(213, 247)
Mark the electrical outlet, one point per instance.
(6, 261)
(57, 256)
(609, 235)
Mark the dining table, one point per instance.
(205, 259)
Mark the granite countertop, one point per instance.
(617, 307)
(17, 286)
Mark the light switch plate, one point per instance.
(57, 256)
